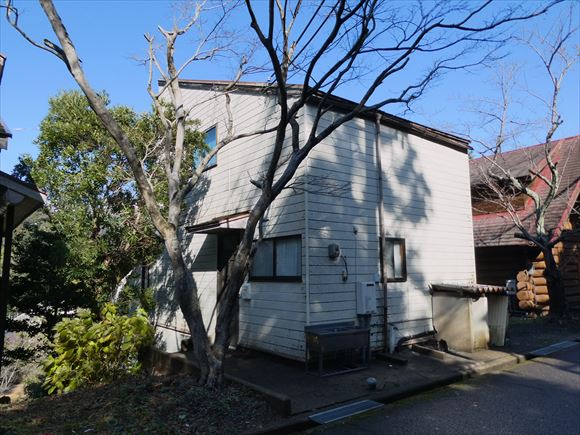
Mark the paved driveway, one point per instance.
(538, 397)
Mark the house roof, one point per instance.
(497, 229)
(387, 119)
(25, 198)
(4, 132)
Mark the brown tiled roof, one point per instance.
(474, 291)
(496, 229)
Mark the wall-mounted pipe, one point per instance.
(383, 272)
(307, 240)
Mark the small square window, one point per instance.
(278, 259)
(395, 259)
(211, 142)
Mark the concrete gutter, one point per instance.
(302, 422)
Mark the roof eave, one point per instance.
(387, 119)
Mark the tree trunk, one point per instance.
(237, 271)
(186, 295)
(555, 284)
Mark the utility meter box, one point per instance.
(366, 298)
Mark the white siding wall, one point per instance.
(202, 261)
(426, 202)
(273, 318)
(348, 158)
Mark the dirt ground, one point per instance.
(169, 404)
(526, 334)
(175, 405)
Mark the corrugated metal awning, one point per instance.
(221, 225)
(473, 290)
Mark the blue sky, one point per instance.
(109, 36)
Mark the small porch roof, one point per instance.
(470, 290)
(25, 198)
(221, 225)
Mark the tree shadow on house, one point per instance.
(339, 197)
(167, 313)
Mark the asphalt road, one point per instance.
(539, 397)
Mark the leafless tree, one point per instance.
(323, 47)
(505, 190)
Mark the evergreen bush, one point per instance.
(88, 352)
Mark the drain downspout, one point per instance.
(307, 244)
(383, 272)
(306, 125)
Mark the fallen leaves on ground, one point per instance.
(168, 404)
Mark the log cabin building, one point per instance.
(499, 255)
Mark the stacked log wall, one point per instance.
(532, 286)
(570, 269)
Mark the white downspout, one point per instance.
(382, 233)
(306, 224)
(307, 245)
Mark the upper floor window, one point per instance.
(278, 259)
(396, 259)
(211, 142)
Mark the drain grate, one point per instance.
(344, 411)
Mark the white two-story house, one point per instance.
(322, 238)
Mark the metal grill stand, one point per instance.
(337, 338)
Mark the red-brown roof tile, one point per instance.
(496, 229)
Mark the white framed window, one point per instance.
(278, 259)
(211, 142)
(395, 259)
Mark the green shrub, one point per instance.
(133, 297)
(34, 389)
(88, 352)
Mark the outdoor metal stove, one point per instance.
(337, 337)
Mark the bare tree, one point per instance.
(323, 47)
(504, 189)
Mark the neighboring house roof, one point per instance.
(498, 228)
(4, 132)
(25, 197)
(393, 121)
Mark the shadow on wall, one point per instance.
(161, 275)
(343, 193)
(408, 200)
(232, 175)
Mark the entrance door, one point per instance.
(227, 244)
